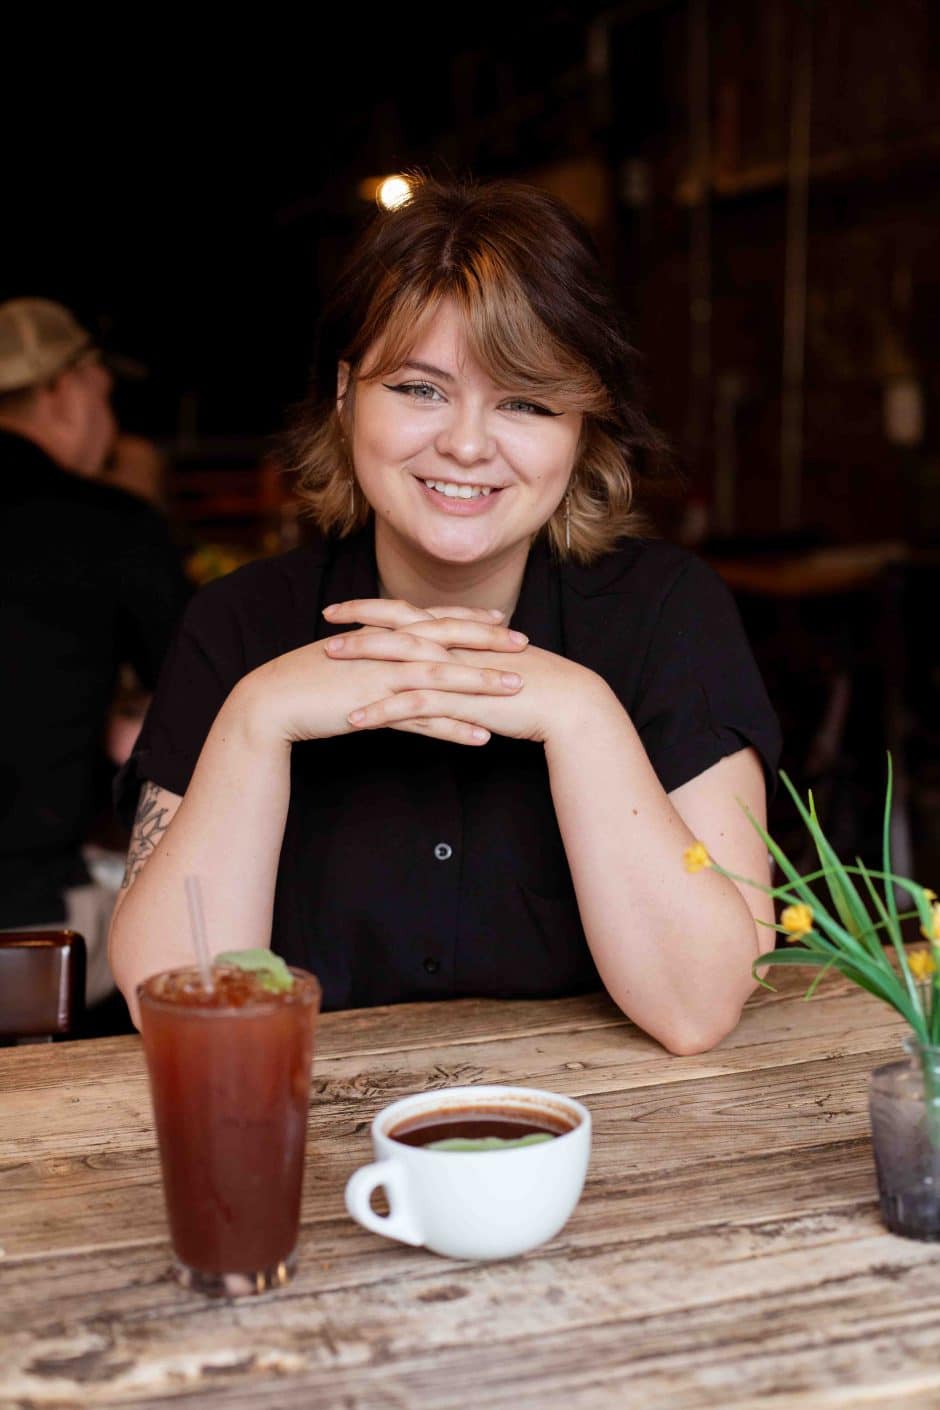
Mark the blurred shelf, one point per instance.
(883, 157)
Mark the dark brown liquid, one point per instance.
(475, 1123)
(230, 1080)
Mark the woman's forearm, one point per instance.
(227, 830)
(673, 950)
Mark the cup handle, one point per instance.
(399, 1223)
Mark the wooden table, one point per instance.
(727, 1251)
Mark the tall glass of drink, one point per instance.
(230, 1081)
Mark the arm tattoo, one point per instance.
(149, 826)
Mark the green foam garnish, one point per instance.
(270, 968)
(488, 1143)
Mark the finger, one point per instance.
(424, 664)
(475, 636)
(441, 727)
(416, 705)
(471, 614)
(376, 612)
(376, 645)
(435, 676)
(386, 612)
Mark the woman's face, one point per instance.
(456, 468)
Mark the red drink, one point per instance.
(230, 1082)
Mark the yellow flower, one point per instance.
(933, 931)
(922, 964)
(696, 857)
(797, 921)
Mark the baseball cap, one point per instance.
(39, 339)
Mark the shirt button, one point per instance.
(443, 851)
(432, 965)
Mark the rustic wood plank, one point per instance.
(703, 1310)
(727, 1251)
(110, 1194)
(364, 1033)
(96, 1092)
(613, 1211)
(108, 1190)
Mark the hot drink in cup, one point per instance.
(475, 1172)
(230, 1081)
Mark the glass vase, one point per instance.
(904, 1105)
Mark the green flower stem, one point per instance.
(882, 986)
(886, 848)
(894, 930)
(857, 941)
(836, 932)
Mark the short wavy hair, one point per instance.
(540, 318)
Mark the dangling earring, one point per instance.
(568, 520)
(352, 478)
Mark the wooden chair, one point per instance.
(42, 984)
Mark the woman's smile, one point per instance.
(458, 497)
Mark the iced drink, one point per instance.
(230, 1082)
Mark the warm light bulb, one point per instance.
(393, 192)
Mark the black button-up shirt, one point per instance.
(412, 868)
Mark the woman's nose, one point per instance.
(466, 437)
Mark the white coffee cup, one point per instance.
(474, 1204)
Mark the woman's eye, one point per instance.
(420, 391)
(529, 406)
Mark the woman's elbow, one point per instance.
(687, 1040)
(685, 1034)
(122, 970)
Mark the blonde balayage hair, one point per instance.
(539, 318)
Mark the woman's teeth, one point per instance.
(458, 491)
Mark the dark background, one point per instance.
(191, 195)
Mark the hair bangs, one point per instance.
(517, 350)
(504, 334)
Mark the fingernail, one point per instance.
(508, 678)
(328, 611)
(520, 637)
(481, 734)
(336, 643)
(495, 612)
(356, 716)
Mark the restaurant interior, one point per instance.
(493, 1196)
(760, 180)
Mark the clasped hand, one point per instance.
(453, 673)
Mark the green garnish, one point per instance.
(271, 970)
(488, 1143)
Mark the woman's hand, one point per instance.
(311, 692)
(557, 695)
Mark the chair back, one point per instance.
(42, 983)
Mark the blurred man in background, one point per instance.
(89, 580)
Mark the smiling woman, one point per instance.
(505, 277)
(470, 452)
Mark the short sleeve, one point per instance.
(701, 696)
(204, 662)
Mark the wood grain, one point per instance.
(727, 1250)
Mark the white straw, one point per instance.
(197, 922)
